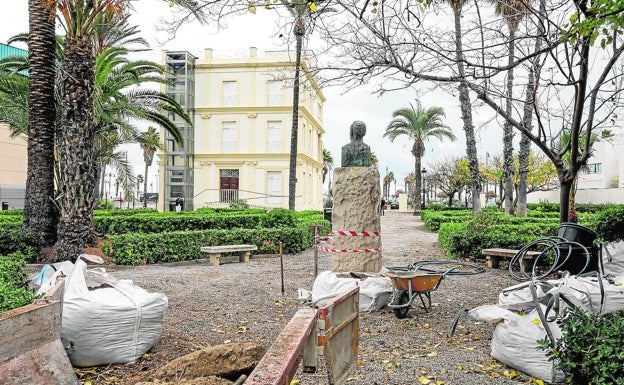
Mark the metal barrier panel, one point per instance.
(338, 332)
(279, 364)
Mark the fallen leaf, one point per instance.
(432, 354)
(294, 382)
(424, 380)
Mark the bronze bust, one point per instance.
(357, 153)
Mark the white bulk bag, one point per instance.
(375, 291)
(514, 341)
(114, 323)
(612, 257)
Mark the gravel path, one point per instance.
(242, 302)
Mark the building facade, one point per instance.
(239, 146)
(13, 156)
(603, 179)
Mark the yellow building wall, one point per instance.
(250, 115)
(13, 158)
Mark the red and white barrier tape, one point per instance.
(348, 250)
(356, 233)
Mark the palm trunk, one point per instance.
(419, 187)
(527, 119)
(466, 110)
(508, 133)
(75, 145)
(292, 174)
(145, 187)
(40, 214)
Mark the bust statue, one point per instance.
(357, 153)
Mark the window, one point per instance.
(274, 187)
(594, 168)
(230, 93)
(228, 138)
(274, 93)
(274, 137)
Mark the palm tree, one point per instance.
(388, 179)
(410, 184)
(149, 144)
(118, 100)
(40, 214)
(418, 124)
(374, 159)
(328, 163)
(513, 11)
(299, 10)
(466, 109)
(75, 139)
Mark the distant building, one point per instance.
(240, 143)
(13, 156)
(602, 181)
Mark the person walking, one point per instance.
(383, 206)
(178, 204)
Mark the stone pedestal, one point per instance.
(357, 198)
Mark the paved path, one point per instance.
(404, 240)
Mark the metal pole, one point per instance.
(281, 265)
(315, 251)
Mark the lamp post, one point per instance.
(423, 171)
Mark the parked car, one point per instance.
(394, 205)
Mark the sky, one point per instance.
(341, 107)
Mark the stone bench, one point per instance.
(494, 256)
(215, 252)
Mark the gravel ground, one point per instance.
(243, 302)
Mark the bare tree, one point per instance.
(576, 68)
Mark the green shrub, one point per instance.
(544, 207)
(590, 350)
(608, 223)
(433, 219)
(136, 248)
(12, 276)
(14, 240)
(239, 204)
(488, 230)
(279, 218)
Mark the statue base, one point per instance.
(357, 199)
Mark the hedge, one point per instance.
(12, 276)
(466, 240)
(137, 248)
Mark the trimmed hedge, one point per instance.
(609, 224)
(150, 223)
(12, 276)
(133, 249)
(466, 240)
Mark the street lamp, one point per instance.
(423, 171)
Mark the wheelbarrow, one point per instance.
(408, 284)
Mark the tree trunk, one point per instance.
(418, 182)
(145, 186)
(75, 145)
(466, 110)
(508, 133)
(527, 120)
(564, 199)
(292, 175)
(40, 214)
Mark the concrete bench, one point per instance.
(215, 252)
(494, 256)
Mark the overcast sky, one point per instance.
(340, 109)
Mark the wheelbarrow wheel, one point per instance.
(401, 298)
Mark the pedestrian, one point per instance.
(178, 204)
(383, 206)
